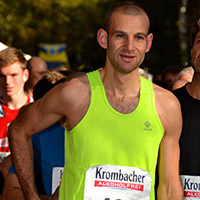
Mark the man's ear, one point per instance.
(25, 75)
(102, 38)
(149, 42)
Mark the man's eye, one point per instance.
(139, 38)
(120, 36)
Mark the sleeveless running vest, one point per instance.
(112, 152)
(189, 144)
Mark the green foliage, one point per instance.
(26, 23)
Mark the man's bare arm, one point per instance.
(168, 166)
(67, 99)
(12, 190)
(33, 118)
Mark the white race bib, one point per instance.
(191, 187)
(56, 177)
(111, 182)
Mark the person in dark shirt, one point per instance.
(189, 97)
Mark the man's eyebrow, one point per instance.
(118, 31)
(143, 34)
(122, 32)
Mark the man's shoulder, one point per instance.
(165, 100)
(168, 107)
(163, 94)
(76, 84)
(70, 91)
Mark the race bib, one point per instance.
(191, 187)
(56, 177)
(111, 182)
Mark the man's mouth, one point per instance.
(8, 89)
(127, 57)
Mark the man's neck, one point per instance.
(15, 102)
(120, 84)
(28, 88)
(193, 88)
(122, 90)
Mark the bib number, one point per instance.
(191, 187)
(111, 182)
(56, 177)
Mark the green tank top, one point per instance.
(108, 153)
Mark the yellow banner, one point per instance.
(53, 52)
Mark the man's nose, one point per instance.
(7, 79)
(130, 45)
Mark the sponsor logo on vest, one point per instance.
(191, 188)
(191, 194)
(126, 180)
(147, 125)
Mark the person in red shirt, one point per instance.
(13, 75)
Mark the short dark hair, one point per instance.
(195, 29)
(51, 79)
(11, 55)
(126, 7)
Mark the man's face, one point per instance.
(128, 41)
(12, 78)
(39, 69)
(195, 53)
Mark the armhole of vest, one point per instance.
(149, 85)
(93, 78)
(155, 111)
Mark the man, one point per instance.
(13, 75)
(113, 127)
(169, 75)
(37, 69)
(189, 97)
(185, 76)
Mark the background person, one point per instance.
(169, 75)
(184, 77)
(189, 97)
(13, 75)
(116, 121)
(37, 69)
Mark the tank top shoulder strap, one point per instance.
(146, 91)
(94, 79)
